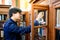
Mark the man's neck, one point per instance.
(13, 19)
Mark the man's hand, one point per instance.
(18, 23)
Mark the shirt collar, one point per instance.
(13, 21)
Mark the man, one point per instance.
(11, 30)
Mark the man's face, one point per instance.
(17, 16)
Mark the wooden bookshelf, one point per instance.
(53, 5)
(58, 28)
(3, 17)
(25, 20)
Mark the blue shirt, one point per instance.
(13, 32)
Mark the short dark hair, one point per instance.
(14, 10)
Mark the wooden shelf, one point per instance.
(40, 26)
(36, 1)
(2, 20)
(1, 28)
(58, 28)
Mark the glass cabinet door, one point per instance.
(58, 17)
(43, 16)
(57, 32)
(39, 32)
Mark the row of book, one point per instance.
(22, 21)
(23, 24)
(40, 34)
(3, 17)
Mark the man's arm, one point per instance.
(21, 30)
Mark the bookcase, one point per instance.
(3, 17)
(56, 13)
(39, 32)
(53, 19)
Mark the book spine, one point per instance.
(0, 17)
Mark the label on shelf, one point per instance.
(2, 34)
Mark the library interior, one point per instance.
(46, 10)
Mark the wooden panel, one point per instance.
(55, 5)
(36, 1)
(27, 24)
(40, 26)
(32, 26)
(2, 10)
(41, 7)
(51, 23)
(52, 18)
(5, 6)
(54, 1)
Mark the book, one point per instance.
(5, 17)
(0, 17)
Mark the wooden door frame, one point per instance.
(36, 6)
(56, 5)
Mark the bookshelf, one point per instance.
(24, 22)
(52, 18)
(3, 17)
(3, 13)
(39, 32)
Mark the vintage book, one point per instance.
(0, 17)
(5, 17)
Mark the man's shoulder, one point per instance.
(8, 22)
